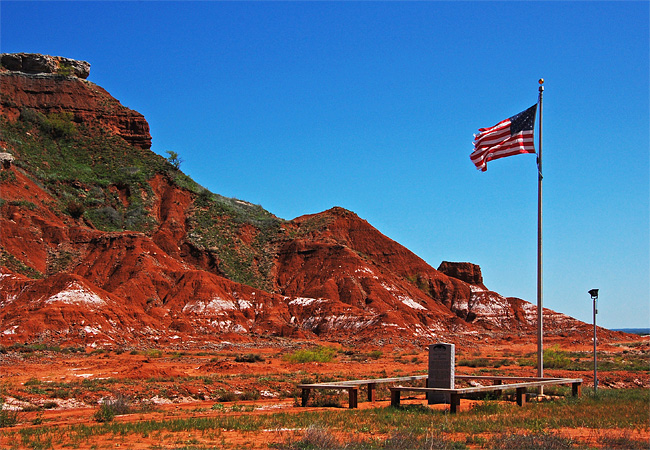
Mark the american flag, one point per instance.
(509, 137)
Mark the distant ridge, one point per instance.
(639, 331)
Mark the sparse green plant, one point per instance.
(7, 176)
(8, 418)
(24, 204)
(405, 440)
(65, 70)
(315, 437)
(531, 441)
(38, 419)
(32, 382)
(622, 442)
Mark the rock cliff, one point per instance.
(35, 63)
(53, 85)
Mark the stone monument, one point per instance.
(441, 371)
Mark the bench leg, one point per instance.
(394, 398)
(371, 392)
(353, 395)
(521, 396)
(305, 396)
(499, 393)
(576, 389)
(454, 403)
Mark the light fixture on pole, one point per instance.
(594, 297)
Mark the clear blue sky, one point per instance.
(302, 106)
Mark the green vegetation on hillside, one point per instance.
(217, 225)
(101, 179)
(92, 173)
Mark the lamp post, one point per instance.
(594, 297)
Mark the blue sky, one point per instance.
(302, 106)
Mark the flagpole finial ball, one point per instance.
(541, 81)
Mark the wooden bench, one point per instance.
(352, 386)
(456, 394)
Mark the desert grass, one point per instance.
(489, 424)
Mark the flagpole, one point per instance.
(540, 308)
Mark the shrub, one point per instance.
(554, 358)
(60, 125)
(250, 395)
(104, 414)
(477, 362)
(111, 407)
(249, 358)
(153, 353)
(174, 159)
(226, 396)
(75, 209)
(57, 125)
(106, 218)
(319, 354)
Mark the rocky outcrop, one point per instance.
(34, 63)
(6, 159)
(48, 93)
(464, 271)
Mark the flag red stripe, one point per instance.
(520, 143)
(501, 129)
(523, 141)
(492, 140)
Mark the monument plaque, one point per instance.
(441, 371)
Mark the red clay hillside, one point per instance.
(105, 243)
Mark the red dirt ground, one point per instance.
(188, 385)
